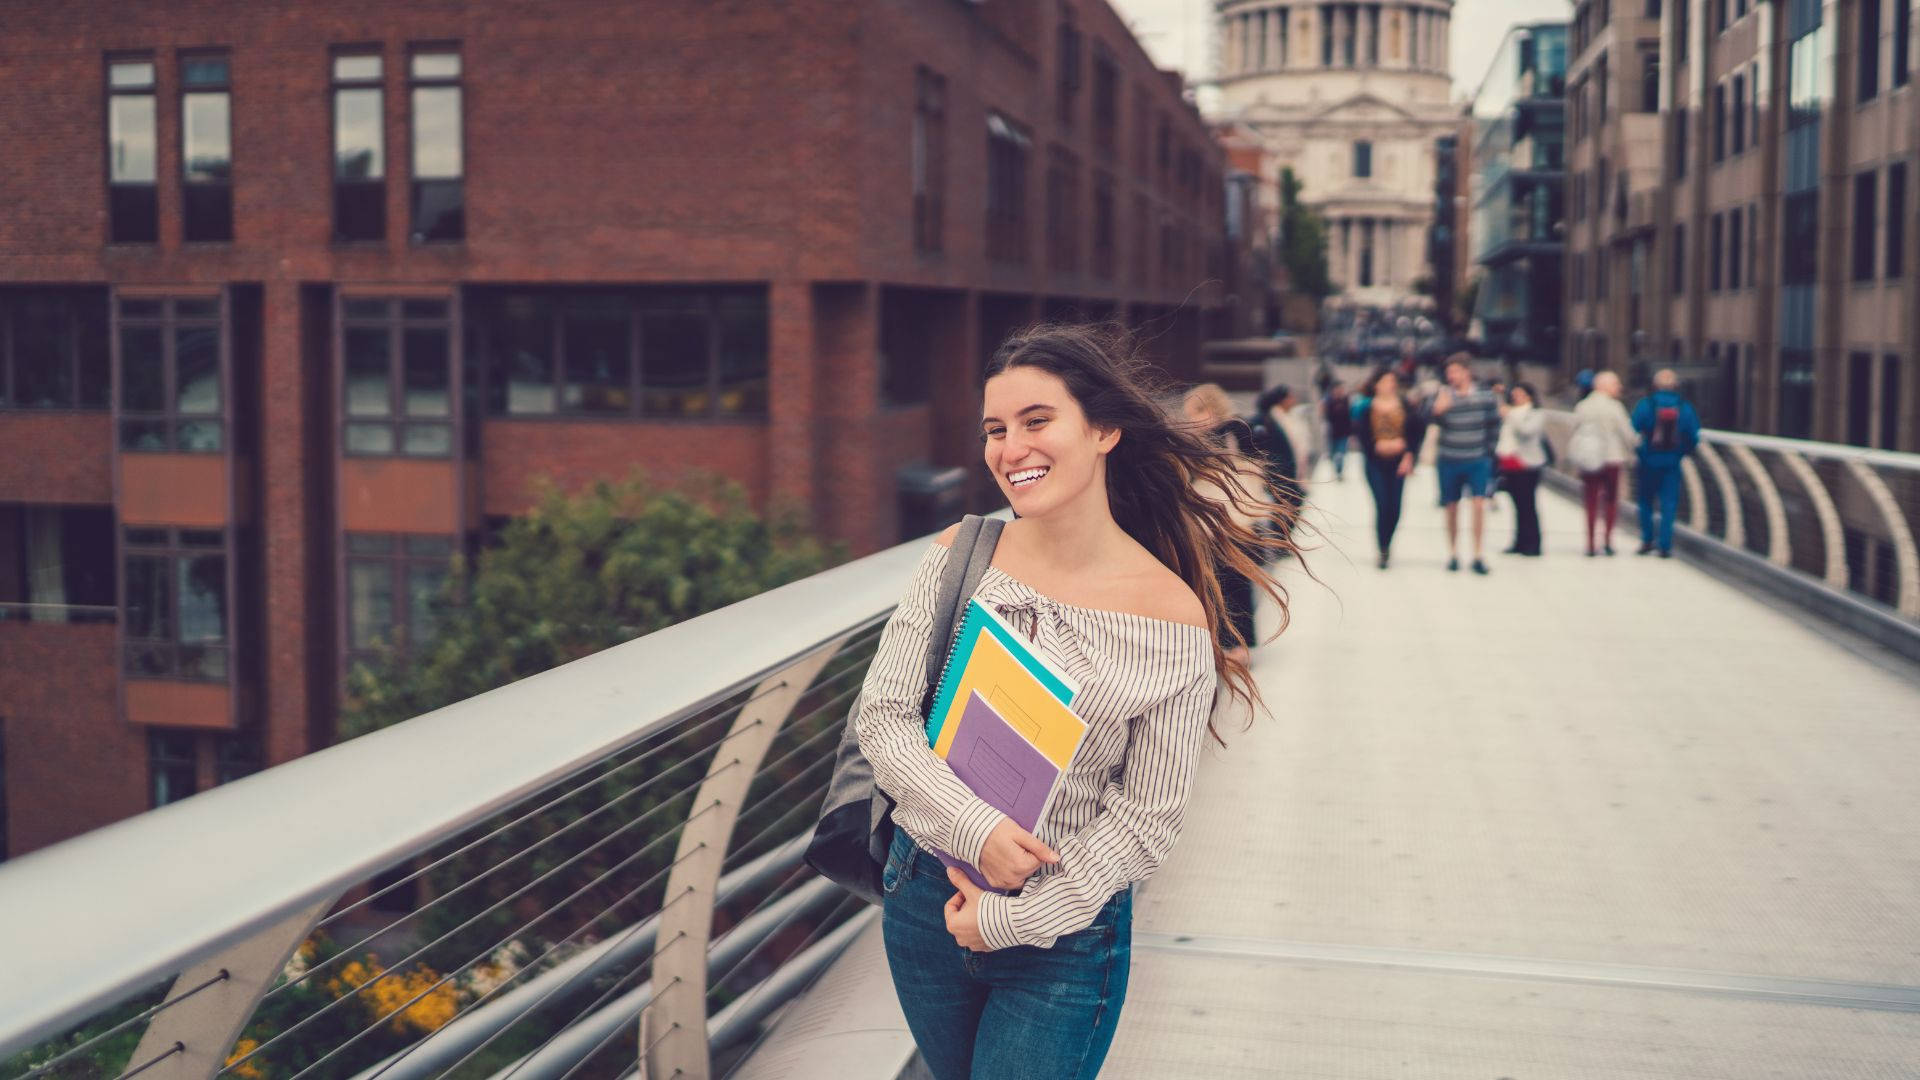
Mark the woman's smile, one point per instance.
(1021, 479)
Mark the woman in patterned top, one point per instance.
(1110, 571)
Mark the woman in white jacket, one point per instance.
(1522, 453)
(1603, 438)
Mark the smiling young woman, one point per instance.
(1110, 570)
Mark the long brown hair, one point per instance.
(1151, 473)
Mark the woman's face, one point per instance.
(1039, 446)
(1521, 397)
(1388, 386)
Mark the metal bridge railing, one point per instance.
(589, 868)
(1843, 516)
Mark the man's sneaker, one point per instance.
(1666, 553)
(1479, 567)
(1453, 563)
(1645, 549)
(1383, 560)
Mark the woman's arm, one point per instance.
(929, 800)
(1132, 833)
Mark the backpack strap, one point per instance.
(967, 562)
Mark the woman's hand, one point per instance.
(1012, 854)
(1406, 464)
(963, 912)
(1390, 447)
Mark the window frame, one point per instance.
(398, 561)
(151, 188)
(157, 761)
(172, 551)
(396, 322)
(182, 91)
(336, 85)
(1009, 163)
(169, 322)
(10, 302)
(417, 187)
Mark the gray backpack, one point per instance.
(855, 829)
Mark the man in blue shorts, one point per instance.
(1469, 423)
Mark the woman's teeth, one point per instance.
(1025, 477)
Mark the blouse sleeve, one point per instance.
(1131, 834)
(929, 800)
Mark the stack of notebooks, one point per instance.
(1001, 721)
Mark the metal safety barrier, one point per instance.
(594, 869)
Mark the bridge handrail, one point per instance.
(94, 919)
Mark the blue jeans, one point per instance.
(1662, 481)
(1337, 450)
(1011, 1013)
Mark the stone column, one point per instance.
(1276, 46)
(1387, 236)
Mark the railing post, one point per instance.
(1779, 544)
(1905, 557)
(1736, 535)
(673, 1030)
(191, 1040)
(1696, 495)
(1831, 535)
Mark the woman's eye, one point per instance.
(1036, 420)
(993, 433)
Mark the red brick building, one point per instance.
(294, 297)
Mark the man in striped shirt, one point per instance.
(1469, 423)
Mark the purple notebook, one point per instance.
(1001, 767)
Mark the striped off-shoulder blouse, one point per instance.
(1146, 690)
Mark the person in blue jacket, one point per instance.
(1669, 430)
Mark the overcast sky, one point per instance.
(1179, 33)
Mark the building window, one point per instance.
(1366, 253)
(1890, 401)
(1363, 159)
(1141, 225)
(396, 377)
(1735, 228)
(1067, 73)
(929, 160)
(1739, 113)
(1650, 80)
(57, 563)
(670, 353)
(1142, 120)
(1682, 14)
(1720, 122)
(133, 202)
(1796, 394)
(394, 585)
(1103, 225)
(1865, 226)
(1799, 238)
(1753, 245)
(1679, 260)
(175, 612)
(1716, 236)
(1902, 30)
(1896, 219)
(1008, 146)
(172, 375)
(1106, 101)
(53, 349)
(359, 149)
(1860, 399)
(1680, 118)
(206, 148)
(1063, 205)
(172, 766)
(438, 166)
(1868, 53)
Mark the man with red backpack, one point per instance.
(1669, 430)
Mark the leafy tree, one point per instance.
(582, 573)
(1303, 241)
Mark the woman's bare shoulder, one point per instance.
(1156, 592)
(945, 539)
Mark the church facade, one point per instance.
(1352, 97)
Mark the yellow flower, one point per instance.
(251, 1069)
(387, 994)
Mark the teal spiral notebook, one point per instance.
(977, 620)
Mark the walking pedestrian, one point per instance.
(1278, 443)
(1389, 431)
(1207, 405)
(1469, 422)
(1669, 429)
(1602, 439)
(1336, 414)
(1108, 571)
(1521, 455)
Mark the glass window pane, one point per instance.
(96, 377)
(369, 439)
(436, 133)
(196, 366)
(743, 355)
(134, 308)
(673, 364)
(149, 659)
(365, 309)
(130, 139)
(143, 380)
(197, 435)
(426, 374)
(428, 440)
(370, 543)
(205, 307)
(423, 309)
(369, 603)
(423, 603)
(206, 138)
(203, 71)
(369, 363)
(359, 151)
(209, 538)
(42, 352)
(523, 355)
(439, 210)
(599, 364)
(148, 435)
(436, 65)
(441, 546)
(149, 613)
(130, 74)
(203, 661)
(147, 537)
(203, 598)
(356, 67)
